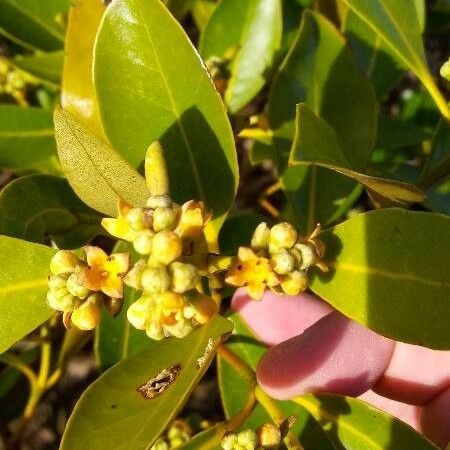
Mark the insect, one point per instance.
(158, 384)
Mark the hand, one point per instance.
(316, 349)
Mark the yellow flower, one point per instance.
(192, 220)
(252, 271)
(120, 227)
(104, 273)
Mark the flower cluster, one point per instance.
(278, 259)
(12, 82)
(171, 303)
(267, 436)
(79, 288)
(178, 434)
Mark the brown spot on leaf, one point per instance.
(159, 383)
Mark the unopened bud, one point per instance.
(269, 436)
(164, 218)
(143, 242)
(248, 439)
(282, 262)
(138, 312)
(155, 279)
(75, 288)
(155, 331)
(136, 219)
(445, 70)
(205, 307)
(167, 247)
(309, 255)
(63, 261)
(160, 444)
(56, 282)
(159, 201)
(282, 235)
(295, 283)
(87, 315)
(260, 238)
(229, 441)
(62, 303)
(134, 277)
(184, 276)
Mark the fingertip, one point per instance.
(277, 318)
(435, 421)
(334, 355)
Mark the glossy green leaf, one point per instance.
(78, 93)
(112, 413)
(397, 22)
(201, 12)
(317, 143)
(98, 174)
(115, 338)
(33, 23)
(234, 390)
(24, 268)
(252, 31)
(161, 91)
(329, 86)
(45, 66)
(26, 136)
(373, 56)
(389, 272)
(352, 424)
(49, 211)
(207, 440)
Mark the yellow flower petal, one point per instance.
(95, 256)
(113, 286)
(91, 278)
(119, 228)
(118, 263)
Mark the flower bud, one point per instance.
(159, 201)
(138, 312)
(75, 288)
(282, 262)
(178, 433)
(63, 261)
(134, 277)
(136, 219)
(184, 276)
(260, 238)
(205, 307)
(282, 235)
(87, 315)
(309, 255)
(143, 243)
(160, 444)
(164, 218)
(63, 303)
(167, 247)
(155, 331)
(294, 283)
(269, 436)
(155, 279)
(248, 439)
(229, 441)
(56, 282)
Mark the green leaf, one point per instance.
(388, 271)
(316, 143)
(164, 90)
(352, 424)
(113, 413)
(234, 390)
(329, 86)
(372, 55)
(24, 268)
(49, 211)
(115, 338)
(33, 23)
(78, 93)
(201, 12)
(98, 174)
(393, 134)
(206, 440)
(26, 136)
(252, 30)
(397, 22)
(45, 66)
